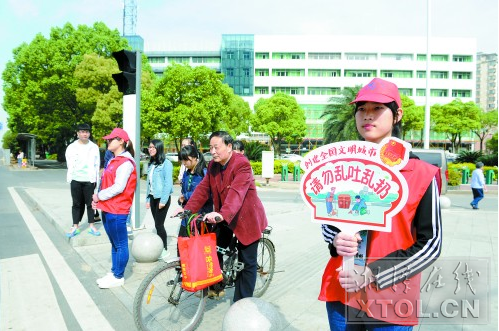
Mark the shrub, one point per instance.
(489, 160)
(468, 156)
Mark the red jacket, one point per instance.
(119, 204)
(397, 257)
(234, 196)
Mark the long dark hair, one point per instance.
(159, 158)
(192, 151)
(397, 127)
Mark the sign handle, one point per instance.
(348, 262)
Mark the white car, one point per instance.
(173, 157)
(291, 157)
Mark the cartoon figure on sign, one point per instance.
(359, 207)
(329, 202)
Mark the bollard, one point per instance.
(284, 173)
(252, 314)
(296, 173)
(489, 177)
(466, 176)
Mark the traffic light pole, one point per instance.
(138, 148)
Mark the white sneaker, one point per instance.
(109, 274)
(110, 282)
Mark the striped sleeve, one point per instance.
(402, 264)
(329, 232)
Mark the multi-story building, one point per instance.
(486, 81)
(316, 68)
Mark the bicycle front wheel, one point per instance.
(265, 266)
(161, 304)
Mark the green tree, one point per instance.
(40, 86)
(280, 117)
(339, 115)
(492, 144)
(191, 102)
(488, 122)
(413, 116)
(455, 118)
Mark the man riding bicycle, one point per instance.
(229, 181)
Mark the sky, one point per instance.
(199, 24)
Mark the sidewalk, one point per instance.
(300, 251)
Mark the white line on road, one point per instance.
(84, 308)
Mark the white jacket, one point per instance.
(92, 159)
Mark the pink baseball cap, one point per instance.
(379, 90)
(117, 133)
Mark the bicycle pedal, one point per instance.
(214, 295)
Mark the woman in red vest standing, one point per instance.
(365, 297)
(114, 198)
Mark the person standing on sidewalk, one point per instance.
(83, 162)
(114, 199)
(20, 157)
(394, 260)
(159, 188)
(185, 142)
(477, 185)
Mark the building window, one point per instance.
(261, 72)
(396, 74)
(208, 59)
(421, 74)
(360, 73)
(323, 91)
(439, 74)
(157, 59)
(438, 93)
(246, 90)
(323, 72)
(397, 57)
(440, 58)
(246, 72)
(420, 92)
(462, 58)
(246, 56)
(461, 75)
(361, 56)
(324, 56)
(421, 57)
(289, 90)
(406, 91)
(461, 93)
(288, 72)
(230, 55)
(262, 56)
(182, 60)
(261, 90)
(288, 56)
(230, 72)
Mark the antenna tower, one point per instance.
(129, 17)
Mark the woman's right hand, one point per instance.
(177, 211)
(346, 244)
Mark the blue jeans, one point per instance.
(337, 320)
(477, 196)
(115, 226)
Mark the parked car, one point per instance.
(207, 157)
(172, 157)
(291, 157)
(438, 158)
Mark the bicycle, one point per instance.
(162, 304)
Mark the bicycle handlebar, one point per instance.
(188, 213)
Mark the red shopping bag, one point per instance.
(198, 258)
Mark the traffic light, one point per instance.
(126, 80)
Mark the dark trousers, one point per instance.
(82, 192)
(159, 216)
(477, 196)
(247, 254)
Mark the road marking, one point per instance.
(84, 308)
(21, 293)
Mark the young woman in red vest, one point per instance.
(366, 297)
(114, 198)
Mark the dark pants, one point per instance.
(82, 192)
(159, 216)
(245, 282)
(477, 196)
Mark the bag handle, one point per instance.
(192, 226)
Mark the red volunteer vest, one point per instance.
(121, 203)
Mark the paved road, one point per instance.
(37, 261)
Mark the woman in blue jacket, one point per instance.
(195, 171)
(159, 188)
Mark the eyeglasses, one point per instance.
(115, 138)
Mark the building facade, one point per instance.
(486, 81)
(315, 69)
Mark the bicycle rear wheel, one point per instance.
(161, 304)
(265, 266)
